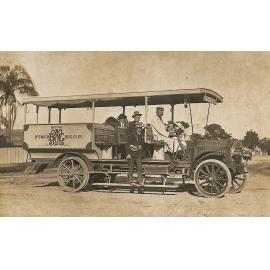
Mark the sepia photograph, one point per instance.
(144, 134)
(134, 134)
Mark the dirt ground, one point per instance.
(39, 195)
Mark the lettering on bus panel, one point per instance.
(57, 136)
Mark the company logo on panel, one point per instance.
(56, 136)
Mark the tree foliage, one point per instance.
(251, 139)
(265, 145)
(215, 132)
(13, 81)
(212, 132)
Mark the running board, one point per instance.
(134, 186)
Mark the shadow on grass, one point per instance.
(13, 167)
(51, 184)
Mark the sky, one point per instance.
(242, 78)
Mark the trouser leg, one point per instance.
(139, 168)
(130, 169)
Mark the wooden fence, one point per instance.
(12, 155)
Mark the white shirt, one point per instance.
(160, 133)
(159, 129)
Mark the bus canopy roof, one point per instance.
(179, 96)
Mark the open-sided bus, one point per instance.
(83, 151)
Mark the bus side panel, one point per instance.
(57, 136)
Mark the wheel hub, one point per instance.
(72, 173)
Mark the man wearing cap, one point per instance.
(161, 134)
(135, 150)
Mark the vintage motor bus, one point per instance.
(87, 153)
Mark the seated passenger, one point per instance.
(122, 120)
(111, 121)
(171, 127)
(181, 132)
(178, 130)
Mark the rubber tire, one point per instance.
(229, 178)
(85, 169)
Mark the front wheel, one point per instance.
(212, 178)
(238, 182)
(72, 174)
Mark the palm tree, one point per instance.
(3, 120)
(14, 80)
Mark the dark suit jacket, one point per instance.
(136, 140)
(131, 128)
(133, 138)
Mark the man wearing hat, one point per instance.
(131, 126)
(137, 117)
(135, 150)
(161, 134)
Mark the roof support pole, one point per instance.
(207, 118)
(93, 123)
(191, 120)
(90, 114)
(60, 115)
(93, 111)
(37, 108)
(172, 111)
(146, 116)
(146, 109)
(49, 117)
(124, 109)
(25, 112)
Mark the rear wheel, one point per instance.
(72, 174)
(212, 178)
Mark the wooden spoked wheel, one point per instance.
(238, 182)
(72, 174)
(212, 178)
